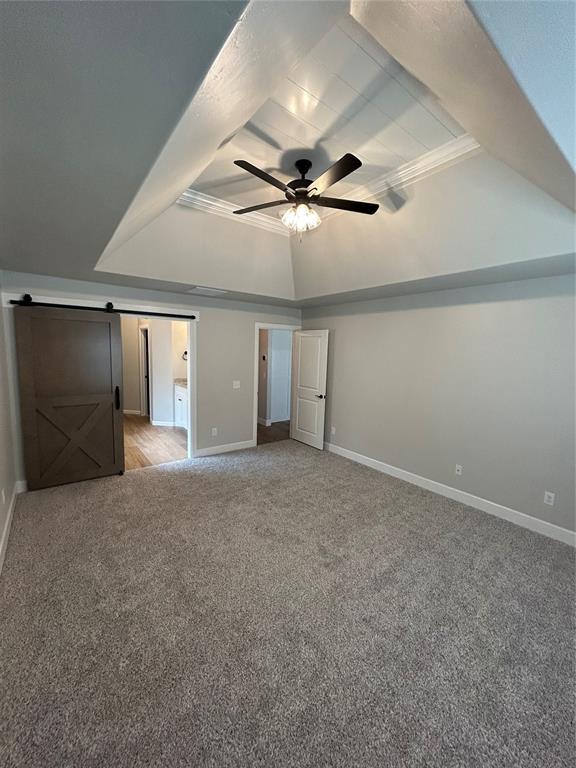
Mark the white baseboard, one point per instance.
(162, 423)
(490, 507)
(128, 412)
(214, 449)
(19, 487)
(264, 422)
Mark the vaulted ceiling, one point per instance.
(124, 121)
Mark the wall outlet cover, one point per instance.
(214, 431)
(235, 384)
(459, 469)
(549, 498)
(332, 431)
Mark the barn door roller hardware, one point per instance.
(27, 301)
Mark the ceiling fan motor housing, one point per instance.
(303, 166)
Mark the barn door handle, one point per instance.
(117, 398)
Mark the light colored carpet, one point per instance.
(280, 607)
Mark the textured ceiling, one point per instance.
(346, 95)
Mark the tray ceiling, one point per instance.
(346, 95)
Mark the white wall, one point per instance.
(185, 245)
(226, 353)
(161, 375)
(279, 371)
(179, 346)
(130, 363)
(482, 377)
(7, 461)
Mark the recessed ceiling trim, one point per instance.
(432, 162)
(202, 202)
(436, 160)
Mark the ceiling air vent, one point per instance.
(205, 291)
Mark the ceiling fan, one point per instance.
(303, 193)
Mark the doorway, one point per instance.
(155, 392)
(144, 369)
(273, 383)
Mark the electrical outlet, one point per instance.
(214, 431)
(235, 385)
(549, 498)
(459, 469)
(3, 497)
(332, 431)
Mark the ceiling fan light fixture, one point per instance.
(301, 218)
(301, 192)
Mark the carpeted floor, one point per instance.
(280, 607)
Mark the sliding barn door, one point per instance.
(309, 361)
(70, 373)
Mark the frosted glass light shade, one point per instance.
(301, 218)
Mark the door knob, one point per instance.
(321, 397)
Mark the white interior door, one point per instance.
(309, 360)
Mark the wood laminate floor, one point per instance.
(280, 430)
(146, 445)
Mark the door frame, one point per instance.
(144, 353)
(191, 373)
(257, 328)
(191, 369)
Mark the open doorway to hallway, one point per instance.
(274, 384)
(156, 402)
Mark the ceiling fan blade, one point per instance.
(339, 170)
(263, 205)
(263, 175)
(346, 205)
